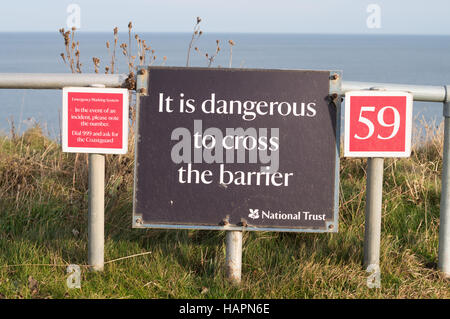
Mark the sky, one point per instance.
(262, 16)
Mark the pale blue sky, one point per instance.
(293, 16)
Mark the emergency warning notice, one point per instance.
(95, 120)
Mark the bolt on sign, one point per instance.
(95, 120)
(238, 149)
(378, 124)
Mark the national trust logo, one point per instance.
(254, 213)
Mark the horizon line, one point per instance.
(253, 33)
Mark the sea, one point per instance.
(406, 59)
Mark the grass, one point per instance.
(43, 229)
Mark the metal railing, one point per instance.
(426, 93)
(59, 80)
(420, 93)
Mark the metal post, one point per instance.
(233, 258)
(444, 219)
(374, 197)
(96, 219)
(96, 211)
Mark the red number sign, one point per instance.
(95, 120)
(377, 124)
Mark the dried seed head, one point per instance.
(200, 33)
(67, 38)
(231, 42)
(73, 28)
(164, 58)
(130, 25)
(217, 41)
(199, 20)
(96, 63)
(116, 30)
(107, 44)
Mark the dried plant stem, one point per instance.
(130, 65)
(195, 35)
(113, 57)
(231, 43)
(74, 170)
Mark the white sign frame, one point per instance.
(125, 111)
(408, 124)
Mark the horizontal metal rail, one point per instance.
(59, 80)
(428, 93)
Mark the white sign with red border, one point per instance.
(95, 120)
(378, 124)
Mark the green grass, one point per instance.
(43, 229)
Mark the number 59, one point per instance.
(380, 117)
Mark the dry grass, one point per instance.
(44, 222)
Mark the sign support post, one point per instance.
(96, 211)
(374, 197)
(444, 224)
(233, 260)
(96, 218)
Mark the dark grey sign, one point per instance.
(234, 148)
